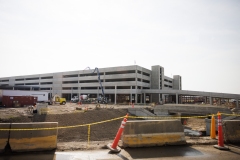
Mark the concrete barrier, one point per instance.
(231, 130)
(33, 140)
(188, 109)
(208, 123)
(42, 108)
(4, 136)
(208, 126)
(141, 112)
(153, 133)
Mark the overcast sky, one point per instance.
(199, 40)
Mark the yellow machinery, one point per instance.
(58, 99)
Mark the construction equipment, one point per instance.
(82, 97)
(101, 99)
(57, 99)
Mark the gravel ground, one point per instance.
(69, 117)
(77, 138)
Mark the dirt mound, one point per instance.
(98, 132)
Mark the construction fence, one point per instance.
(97, 131)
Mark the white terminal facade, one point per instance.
(120, 84)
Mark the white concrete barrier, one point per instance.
(26, 139)
(144, 133)
(231, 131)
(4, 134)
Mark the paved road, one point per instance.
(203, 152)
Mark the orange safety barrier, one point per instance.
(220, 135)
(113, 147)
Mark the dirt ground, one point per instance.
(70, 115)
(67, 115)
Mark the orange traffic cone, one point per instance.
(213, 128)
(185, 122)
(113, 147)
(220, 135)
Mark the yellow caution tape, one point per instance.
(129, 117)
(88, 135)
(166, 117)
(64, 127)
(230, 114)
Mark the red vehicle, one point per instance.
(18, 101)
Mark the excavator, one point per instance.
(101, 99)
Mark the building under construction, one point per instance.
(120, 84)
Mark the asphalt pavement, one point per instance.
(203, 152)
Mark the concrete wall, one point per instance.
(140, 112)
(177, 82)
(190, 109)
(231, 130)
(4, 136)
(153, 133)
(57, 80)
(157, 81)
(33, 140)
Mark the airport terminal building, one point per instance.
(122, 84)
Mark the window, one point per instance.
(50, 77)
(146, 74)
(69, 76)
(120, 80)
(145, 81)
(31, 83)
(69, 82)
(45, 83)
(19, 84)
(6, 80)
(123, 87)
(146, 88)
(90, 74)
(36, 78)
(89, 81)
(120, 72)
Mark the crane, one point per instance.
(103, 99)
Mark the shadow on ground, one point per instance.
(166, 151)
(47, 155)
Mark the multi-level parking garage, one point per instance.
(121, 84)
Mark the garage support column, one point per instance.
(237, 105)
(144, 98)
(115, 99)
(71, 93)
(98, 92)
(51, 93)
(79, 94)
(136, 98)
(141, 98)
(176, 98)
(131, 95)
(210, 100)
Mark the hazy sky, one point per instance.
(199, 40)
